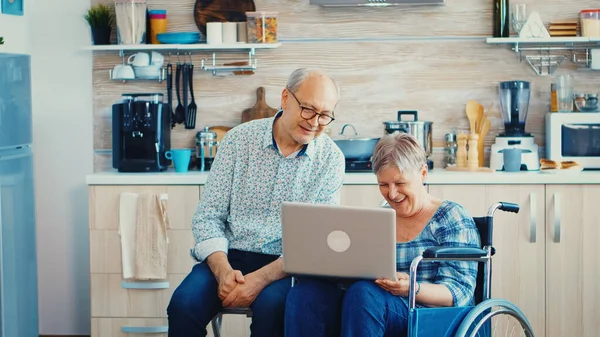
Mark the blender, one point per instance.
(514, 103)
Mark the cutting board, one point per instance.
(220, 131)
(260, 110)
(221, 11)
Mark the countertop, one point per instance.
(436, 177)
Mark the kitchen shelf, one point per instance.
(188, 49)
(567, 41)
(184, 47)
(544, 63)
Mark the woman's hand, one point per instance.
(397, 288)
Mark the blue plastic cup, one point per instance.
(181, 158)
(512, 160)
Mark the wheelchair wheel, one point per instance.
(495, 317)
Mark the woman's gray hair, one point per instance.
(401, 150)
(299, 75)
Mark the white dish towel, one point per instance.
(143, 224)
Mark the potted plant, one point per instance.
(100, 18)
(1, 40)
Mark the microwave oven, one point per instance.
(574, 136)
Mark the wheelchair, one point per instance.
(479, 320)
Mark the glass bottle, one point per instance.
(553, 98)
(501, 18)
(450, 149)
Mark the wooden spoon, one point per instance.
(479, 121)
(472, 112)
(485, 128)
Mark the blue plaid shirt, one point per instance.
(451, 226)
(240, 206)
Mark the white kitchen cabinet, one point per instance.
(572, 260)
(554, 279)
(551, 277)
(518, 272)
(361, 195)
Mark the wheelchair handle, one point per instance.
(503, 206)
(509, 207)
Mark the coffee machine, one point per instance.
(141, 133)
(514, 103)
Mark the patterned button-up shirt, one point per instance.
(249, 179)
(450, 226)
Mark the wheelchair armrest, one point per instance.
(454, 253)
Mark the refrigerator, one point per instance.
(18, 265)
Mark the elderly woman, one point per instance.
(317, 307)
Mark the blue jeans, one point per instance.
(195, 302)
(318, 307)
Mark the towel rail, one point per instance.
(144, 285)
(144, 329)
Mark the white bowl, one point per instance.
(148, 72)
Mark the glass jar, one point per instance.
(450, 149)
(592, 99)
(262, 27)
(131, 21)
(589, 21)
(579, 101)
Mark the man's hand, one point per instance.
(227, 277)
(245, 292)
(228, 281)
(397, 288)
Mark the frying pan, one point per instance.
(221, 11)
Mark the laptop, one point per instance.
(339, 241)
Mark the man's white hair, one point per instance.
(299, 75)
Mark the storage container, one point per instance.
(131, 21)
(262, 27)
(158, 24)
(589, 20)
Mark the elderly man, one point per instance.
(237, 226)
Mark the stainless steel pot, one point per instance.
(420, 129)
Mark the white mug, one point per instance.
(123, 72)
(229, 32)
(214, 33)
(139, 60)
(242, 31)
(157, 59)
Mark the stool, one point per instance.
(216, 321)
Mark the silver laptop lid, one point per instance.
(339, 241)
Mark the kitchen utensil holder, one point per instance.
(545, 65)
(577, 48)
(215, 68)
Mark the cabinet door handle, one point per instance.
(144, 329)
(532, 217)
(556, 217)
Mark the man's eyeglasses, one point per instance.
(308, 113)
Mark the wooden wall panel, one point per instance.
(384, 59)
